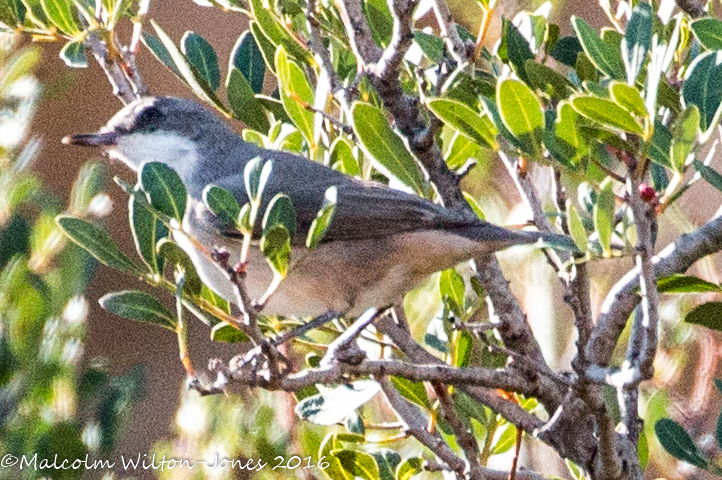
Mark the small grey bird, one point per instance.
(380, 244)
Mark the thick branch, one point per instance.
(623, 298)
(359, 33)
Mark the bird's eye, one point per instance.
(148, 119)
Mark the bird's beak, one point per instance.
(97, 139)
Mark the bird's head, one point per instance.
(159, 129)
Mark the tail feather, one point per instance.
(496, 238)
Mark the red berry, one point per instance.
(647, 193)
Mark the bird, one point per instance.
(381, 242)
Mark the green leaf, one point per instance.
(548, 81)
(224, 332)
(296, 95)
(60, 14)
(684, 134)
(463, 348)
(409, 467)
(147, 231)
(201, 55)
(323, 219)
(139, 306)
(255, 177)
(703, 88)
(637, 40)
(474, 205)
(188, 72)
(333, 469)
(73, 54)
(568, 137)
(430, 45)
(335, 403)
(459, 152)
(628, 98)
(244, 104)
(161, 53)
(659, 148)
(471, 124)
(602, 55)
(708, 315)
(709, 174)
(709, 32)
(385, 149)
(273, 30)
(506, 440)
(607, 113)
(677, 442)
(603, 215)
(386, 461)
(354, 423)
(276, 247)
(413, 391)
(566, 50)
(12, 12)
(678, 283)
(380, 21)
(358, 463)
(522, 114)
(342, 157)
(576, 227)
(515, 49)
(268, 49)
(165, 189)
(97, 242)
(222, 203)
(280, 211)
(248, 59)
(451, 286)
(176, 256)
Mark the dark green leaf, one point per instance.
(412, 391)
(718, 384)
(139, 306)
(602, 55)
(222, 203)
(604, 216)
(201, 55)
(709, 32)
(12, 12)
(684, 134)
(473, 125)
(678, 283)
(268, 49)
(248, 59)
(677, 442)
(244, 104)
(354, 423)
(159, 51)
(224, 332)
(522, 114)
(548, 81)
(73, 54)
(174, 255)
(280, 211)
(385, 149)
(380, 21)
(386, 461)
(97, 242)
(323, 219)
(703, 88)
(358, 463)
(566, 50)
(60, 14)
(296, 94)
(708, 315)
(637, 40)
(709, 174)
(515, 49)
(147, 231)
(268, 22)
(164, 188)
(431, 45)
(607, 113)
(660, 146)
(436, 336)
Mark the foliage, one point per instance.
(50, 405)
(624, 117)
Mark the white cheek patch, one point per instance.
(170, 148)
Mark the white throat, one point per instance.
(173, 149)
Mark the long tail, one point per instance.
(493, 238)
